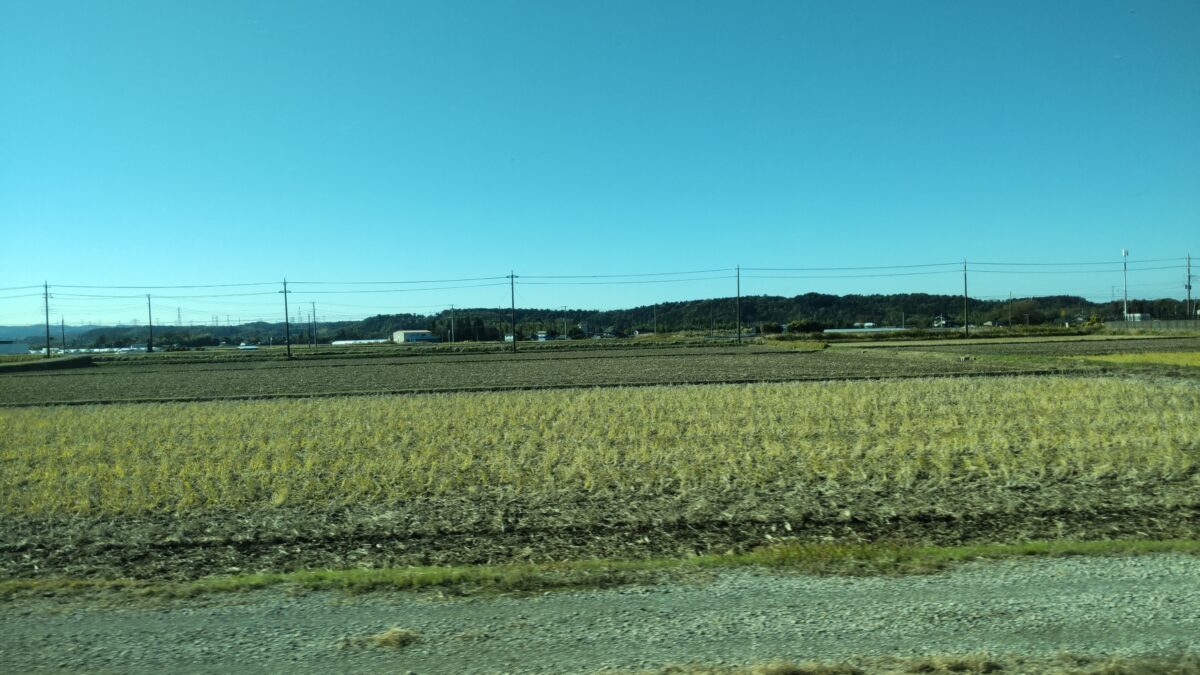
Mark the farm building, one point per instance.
(413, 336)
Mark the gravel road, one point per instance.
(1107, 606)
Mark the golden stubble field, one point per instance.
(129, 459)
(181, 490)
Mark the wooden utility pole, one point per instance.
(738, 309)
(313, 305)
(150, 325)
(46, 299)
(512, 292)
(451, 324)
(1125, 284)
(62, 326)
(966, 316)
(287, 326)
(1191, 310)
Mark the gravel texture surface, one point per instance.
(1107, 606)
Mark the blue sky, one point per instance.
(173, 144)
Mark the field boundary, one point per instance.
(1101, 370)
(873, 559)
(439, 359)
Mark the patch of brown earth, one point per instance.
(498, 526)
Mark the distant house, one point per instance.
(413, 336)
(1137, 317)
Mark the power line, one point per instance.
(849, 269)
(1115, 269)
(625, 276)
(613, 283)
(366, 283)
(1066, 264)
(846, 276)
(396, 290)
(171, 297)
(161, 287)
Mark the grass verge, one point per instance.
(825, 559)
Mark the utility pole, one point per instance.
(178, 316)
(564, 319)
(1010, 310)
(451, 324)
(287, 326)
(512, 292)
(150, 325)
(656, 319)
(1191, 311)
(1125, 276)
(966, 316)
(313, 305)
(739, 304)
(46, 299)
(62, 326)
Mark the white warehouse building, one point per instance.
(413, 336)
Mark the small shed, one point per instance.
(413, 336)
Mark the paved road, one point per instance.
(1128, 606)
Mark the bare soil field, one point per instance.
(149, 381)
(497, 526)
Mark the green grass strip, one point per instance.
(825, 559)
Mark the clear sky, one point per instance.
(192, 143)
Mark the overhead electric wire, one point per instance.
(396, 290)
(1117, 269)
(1066, 264)
(622, 276)
(170, 297)
(845, 276)
(264, 283)
(20, 288)
(377, 283)
(847, 269)
(612, 283)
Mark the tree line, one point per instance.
(811, 312)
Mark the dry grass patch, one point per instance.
(1186, 359)
(392, 638)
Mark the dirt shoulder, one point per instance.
(1135, 606)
